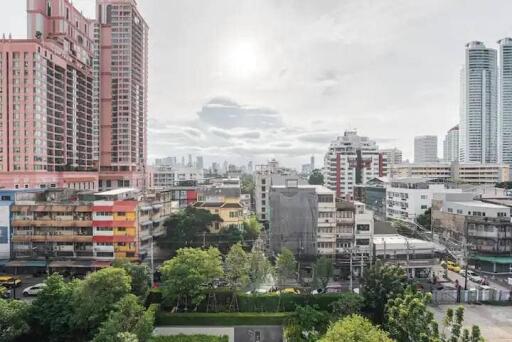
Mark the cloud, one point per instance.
(226, 113)
(229, 134)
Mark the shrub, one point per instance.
(222, 318)
(190, 338)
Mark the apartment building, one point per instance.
(389, 158)
(223, 199)
(350, 160)
(425, 149)
(302, 218)
(169, 176)
(407, 198)
(472, 173)
(485, 226)
(451, 145)
(265, 177)
(63, 229)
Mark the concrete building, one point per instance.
(47, 98)
(373, 195)
(390, 158)
(67, 229)
(451, 145)
(425, 149)
(478, 134)
(407, 198)
(485, 226)
(417, 257)
(167, 161)
(351, 160)
(265, 177)
(472, 173)
(302, 218)
(167, 176)
(354, 237)
(123, 55)
(505, 100)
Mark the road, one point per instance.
(26, 281)
(495, 322)
(455, 276)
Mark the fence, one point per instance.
(471, 296)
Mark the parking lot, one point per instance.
(26, 281)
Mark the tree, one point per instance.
(96, 296)
(408, 318)
(316, 177)
(247, 184)
(453, 322)
(355, 328)
(381, 283)
(286, 266)
(306, 324)
(236, 267)
(348, 304)
(13, 319)
(140, 275)
(323, 270)
(186, 228)
(252, 228)
(425, 219)
(184, 276)
(51, 313)
(127, 316)
(259, 269)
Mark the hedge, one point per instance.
(221, 318)
(190, 338)
(267, 302)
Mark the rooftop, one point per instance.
(115, 192)
(319, 189)
(480, 204)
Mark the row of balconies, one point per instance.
(51, 223)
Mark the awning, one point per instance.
(101, 264)
(494, 259)
(146, 207)
(26, 263)
(71, 263)
(147, 223)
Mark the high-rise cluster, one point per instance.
(485, 130)
(73, 98)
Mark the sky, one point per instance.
(242, 80)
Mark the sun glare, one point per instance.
(244, 59)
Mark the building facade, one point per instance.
(390, 158)
(409, 198)
(505, 100)
(425, 149)
(266, 176)
(478, 130)
(167, 176)
(351, 160)
(471, 173)
(302, 219)
(485, 226)
(451, 145)
(123, 55)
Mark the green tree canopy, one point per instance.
(127, 316)
(259, 269)
(425, 219)
(348, 304)
(408, 318)
(286, 266)
(316, 177)
(355, 328)
(51, 313)
(140, 275)
(184, 276)
(252, 228)
(96, 296)
(323, 270)
(306, 324)
(380, 283)
(236, 267)
(13, 319)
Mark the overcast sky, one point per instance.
(251, 80)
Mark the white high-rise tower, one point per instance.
(478, 130)
(505, 101)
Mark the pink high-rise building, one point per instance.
(73, 98)
(122, 59)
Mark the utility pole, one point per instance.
(152, 262)
(351, 272)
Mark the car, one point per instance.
(453, 266)
(472, 276)
(318, 291)
(9, 281)
(6, 293)
(34, 290)
(289, 290)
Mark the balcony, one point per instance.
(51, 238)
(51, 223)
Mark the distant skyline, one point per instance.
(245, 80)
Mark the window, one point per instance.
(424, 207)
(325, 198)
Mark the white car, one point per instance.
(472, 276)
(34, 289)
